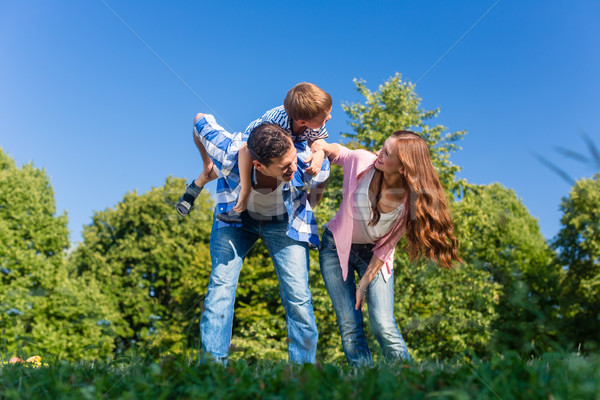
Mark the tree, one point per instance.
(396, 106)
(498, 235)
(153, 266)
(578, 245)
(42, 308)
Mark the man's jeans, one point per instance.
(379, 299)
(228, 248)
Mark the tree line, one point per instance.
(137, 280)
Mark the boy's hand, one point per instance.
(242, 203)
(316, 161)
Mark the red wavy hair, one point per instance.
(429, 227)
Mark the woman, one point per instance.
(386, 195)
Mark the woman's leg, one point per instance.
(343, 297)
(380, 302)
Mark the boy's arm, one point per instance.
(312, 181)
(245, 168)
(315, 159)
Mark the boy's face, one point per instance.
(318, 122)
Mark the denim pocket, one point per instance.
(378, 276)
(328, 242)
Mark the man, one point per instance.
(278, 213)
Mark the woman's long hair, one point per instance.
(429, 227)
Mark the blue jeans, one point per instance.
(228, 248)
(379, 299)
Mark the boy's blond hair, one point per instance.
(306, 101)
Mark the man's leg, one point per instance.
(228, 248)
(290, 259)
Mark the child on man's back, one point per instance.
(305, 110)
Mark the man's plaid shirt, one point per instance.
(223, 148)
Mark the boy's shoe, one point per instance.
(230, 217)
(186, 201)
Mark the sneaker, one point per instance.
(230, 217)
(186, 201)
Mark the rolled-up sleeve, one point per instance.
(221, 146)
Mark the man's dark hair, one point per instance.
(268, 141)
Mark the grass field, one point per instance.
(552, 376)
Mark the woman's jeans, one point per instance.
(228, 248)
(379, 299)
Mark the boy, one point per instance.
(306, 108)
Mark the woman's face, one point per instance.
(387, 158)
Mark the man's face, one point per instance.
(282, 168)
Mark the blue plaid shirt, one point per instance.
(223, 148)
(278, 116)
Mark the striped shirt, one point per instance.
(223, 148)
(278, 116)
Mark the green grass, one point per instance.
(552, 376)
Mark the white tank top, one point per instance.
(268, 204)
(362, 232)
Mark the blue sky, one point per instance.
(102, 94)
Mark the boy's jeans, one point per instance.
(228, 248)
(379, 299)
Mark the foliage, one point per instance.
(396, 106)
(578, 245)
(497, 234)
(553, 376)
(444, 313)
(42, 308)
(151, 265)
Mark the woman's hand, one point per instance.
(361, 289)
(360, 297)
(331, 150)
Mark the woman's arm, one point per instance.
(362, 287)
(332, 150)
